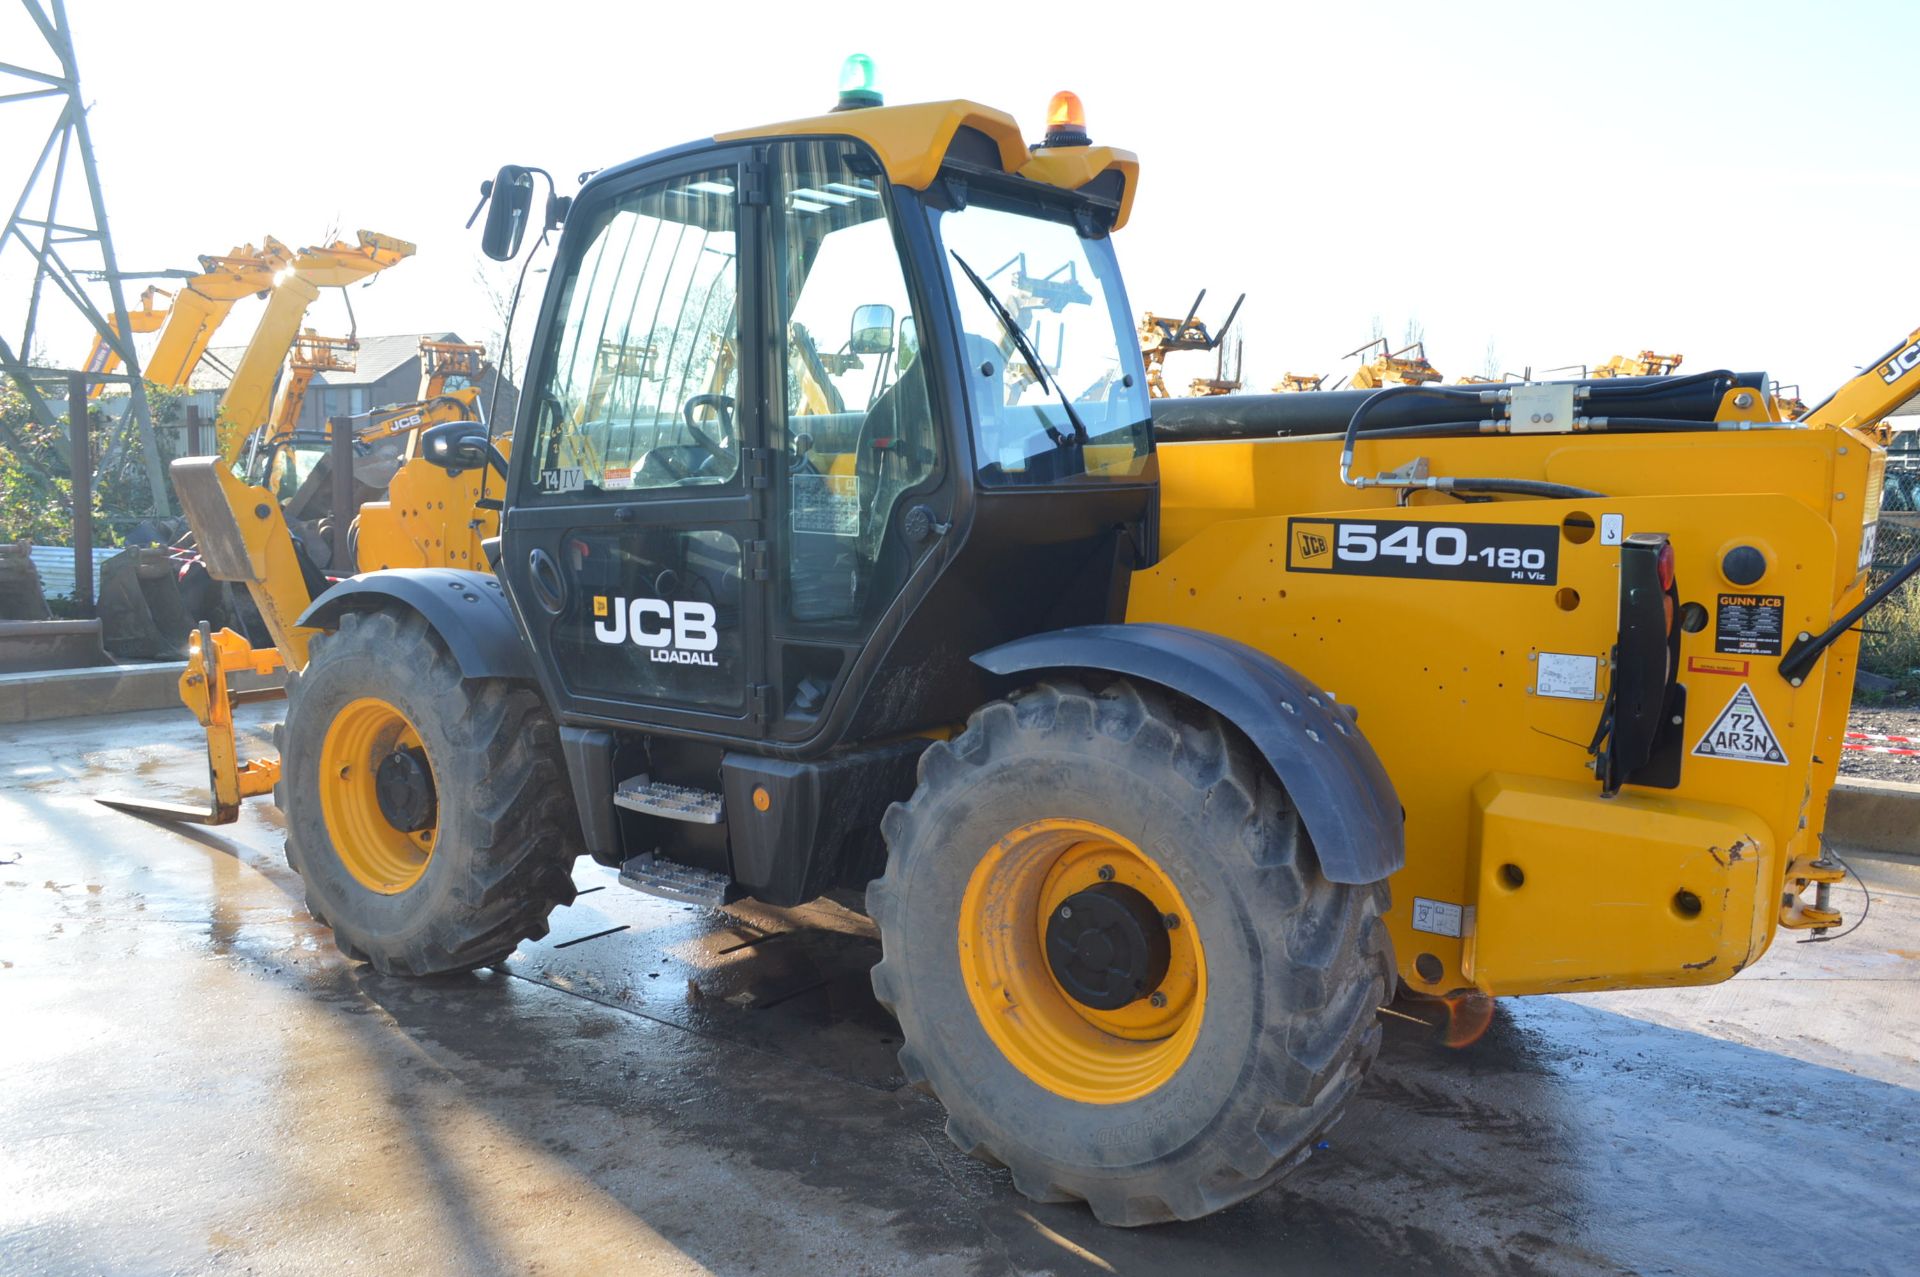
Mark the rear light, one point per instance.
(1640, 733)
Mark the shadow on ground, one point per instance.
(195, 1080)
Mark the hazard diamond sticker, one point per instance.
(1741, 732)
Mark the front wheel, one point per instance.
(1114, 958)
(429, 815)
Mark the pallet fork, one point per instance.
(211, 659)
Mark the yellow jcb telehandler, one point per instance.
(1164, 737)
(193, 312)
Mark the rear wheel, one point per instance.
(428, 814)
(1114, 958)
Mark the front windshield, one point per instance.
(1063, 293)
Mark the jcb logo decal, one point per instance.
(679, 633)
(1312, 545)
(1901, 364)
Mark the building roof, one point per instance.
(376, 358)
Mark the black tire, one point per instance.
(1296, 965)
(508, 831)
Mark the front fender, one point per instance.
(468, 610)
(1332, 775)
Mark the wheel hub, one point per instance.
(1019, 958)
(377, 795)
(403, 786)
(1107, 946)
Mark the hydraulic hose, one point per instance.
(1373, 402)
(1490, 486)
(1601, 388)
(1518, 488)
(1669, 425)
(1594, 395)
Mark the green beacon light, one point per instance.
(856, 84)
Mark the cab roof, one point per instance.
(911, 141)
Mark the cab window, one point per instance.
(642, 362)
(858, 431)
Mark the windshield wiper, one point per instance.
(1032, 357)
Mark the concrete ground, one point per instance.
(192, 1080)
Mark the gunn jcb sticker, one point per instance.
(1507, 553)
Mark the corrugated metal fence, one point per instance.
(54, 563)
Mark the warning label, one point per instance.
(1749, 624)
(1741, 732)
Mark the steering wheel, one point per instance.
(723, 404)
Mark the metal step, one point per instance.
(671, 880)
(674, 802)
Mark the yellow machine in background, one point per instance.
(245, 406)
(1646, 364)
(102, 358)
(430, 517)
(194, 312)
(1792, 406)
(310, 356)
(1163, 335)
(1225, 380)
(239, 528)
(1406, 366)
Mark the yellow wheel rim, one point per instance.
(381, 857)
(1066, 1046)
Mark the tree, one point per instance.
(39, 507)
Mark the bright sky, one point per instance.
(1731, 181)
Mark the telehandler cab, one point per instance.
(1122, 715)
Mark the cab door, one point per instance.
(634, 544)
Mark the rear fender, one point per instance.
(1334, 778)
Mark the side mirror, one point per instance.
(509, 201)
(872, 330)
(457, 445)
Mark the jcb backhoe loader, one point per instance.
(1125, 715)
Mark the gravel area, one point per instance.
(1900, 720)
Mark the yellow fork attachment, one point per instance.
(210, 658)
